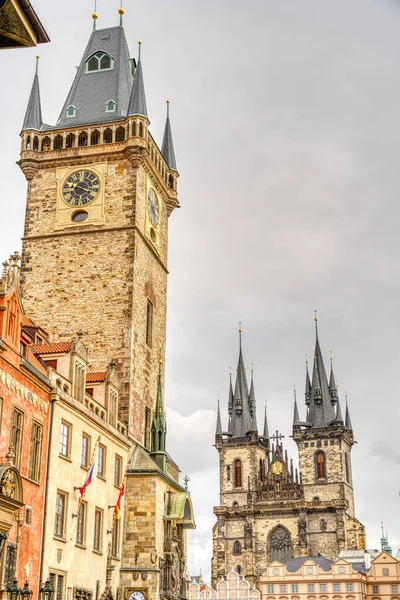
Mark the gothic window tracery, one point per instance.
(237, 548)
(280, 545)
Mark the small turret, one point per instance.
(296, 418)
(332, 385)
(33, 115)
(159, 428)
(308, 385)
(265, 430)
(218, 429)
(167, 148)
(348, 424)
(137, 102)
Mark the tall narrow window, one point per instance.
(149, 323)
(81, 525)
(347, 467)
(10, 563)
(237, 548)
(35, 453)
(98, 525)
(16, 434)
(57, 583)
(115, 538)
(147, 427)
(117, 470)
(65, 439)
(101, 461)
(112, 407)
(320, 464)
(238, 473)
(59, 525)
(85, 450)
(79, 380)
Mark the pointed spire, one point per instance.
(159, 427)
(332, 384)
(95, 16)
(33, 115)
(347, 423)
(339, 418)
(308, 384)
(321, 412)
(218, 430)
(252, 403)
(167, 148)
(241, 420)
(121, 15)
(137, 103)
(296, 418)
(265, 431)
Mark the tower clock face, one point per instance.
(277, 467)
(80, 188)
(137, 596)
(152, 205)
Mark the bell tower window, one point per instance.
(320, 465)
(101, 61)
(238, 473)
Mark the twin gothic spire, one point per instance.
(107, 88)
(321, 398)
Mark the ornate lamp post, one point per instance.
(46, 591)
(13, 591)
(26, 593)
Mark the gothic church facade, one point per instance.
(268, 510)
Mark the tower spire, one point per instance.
(296, 418)
(33, 115)
(218, 430)
(252, 403)
(241, 420)
(159, 426)
(308, 385)
(321, 411)
(167, 148)
(137, 103)
(347, 422)
(95, 16)
(332, 384)
(265, 431)
(121, 15)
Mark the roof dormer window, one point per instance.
(111, 106)
(101, 61)
(71, 111)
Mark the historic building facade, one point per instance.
(100, 192)
(268, 510)
(25, 407)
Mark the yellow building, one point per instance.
(319, 578)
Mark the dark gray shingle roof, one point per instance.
(33, 115)
(90, 92)
(167, 148)
(137, 102)
(294, 565)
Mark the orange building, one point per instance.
(25, 410)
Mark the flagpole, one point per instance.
(82, 493)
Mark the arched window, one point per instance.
(279, 545)
(111, 106)
(46, 141)
(95, 137)
(28, 142)
(71, 111)
(58, 142)
(159, 440)
(238, 473)
(235, 504)
(320, 465)
(347, 467)
(82, 139)
(107, 136)
(237, 548)
(120, 134)
(324, 525)
(238, 569)
(101, 61)
(171, 182)
(36, 143)
(141, 129)
(134, 128)
(70, 140)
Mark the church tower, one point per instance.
(100, 192)
(268, 511)
(324, 442)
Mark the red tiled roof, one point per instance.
(51, 348)
(95, 377)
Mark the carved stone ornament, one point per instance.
(144, 575)
(153, 557)
(136, 575)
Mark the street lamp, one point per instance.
(26, 593)
(13, 591)
(46, 592)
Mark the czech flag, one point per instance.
(88, 479)
(117, 507)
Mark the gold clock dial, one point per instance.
(277, 467)
(80, 188)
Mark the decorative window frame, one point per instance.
(71, 113)
(111, 110)
(99, 52)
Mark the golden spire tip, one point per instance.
(121, 11)
(95, 15)
(315, 316)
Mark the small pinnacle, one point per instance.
(315, 316)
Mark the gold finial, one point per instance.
(121, 11)
(240, 326)
(139, 42)
(252, 367)
(95, 15)
(306, 359)
(218, 399)
(315, 316)
(330, 355)
(37, 56)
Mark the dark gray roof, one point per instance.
(90, 92)
(33, 115)
(252, 405)
(348, 424)
(321, 413)
(296, 418)
(241, 418)
(265, 431)
(339, 418)
(137, 102)
(167, 148)
(294, 565)
(218, 430)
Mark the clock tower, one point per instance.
(100, 193)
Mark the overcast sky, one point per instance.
(286, 122)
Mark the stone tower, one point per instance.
(100, 192)
(267, 510)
